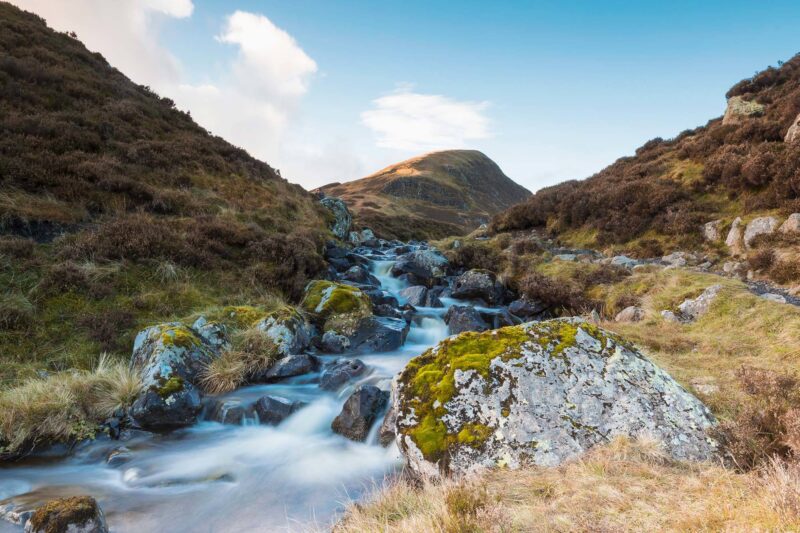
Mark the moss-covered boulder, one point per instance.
(336, 306)
(538, 393)
(169, 358)
(288, 329)
(78, 514)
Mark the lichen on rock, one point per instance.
(538, 393)
(288, 329)
(336, 306)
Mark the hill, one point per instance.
(117, 210)
(744, 163)
(431, 196)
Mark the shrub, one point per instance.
(785, 271)
(481, 255)
(286, 262)
(556, 294)
(762, 259)
(16, 312)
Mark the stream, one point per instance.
(212, 477)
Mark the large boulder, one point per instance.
(379, 334)
(336, 306)
(420, 296)
(288, 367)
(538, 393)
(360, 275)
(340, 225)
(794, 131)
(481, 284)
(288, 329)
(631, 313)
(759, 226)
(461, 318)
(169, 358)
(360, 411)
(78, 514)
(739, 108)
(364, 237)
(423, 266)
(734, 239)
(272, 410)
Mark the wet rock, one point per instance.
(341, 372)
(119, 456)
(227, 411)
(360, 411)
(379, 334)
(272, 410)
(759, 226)
(359, 274)
(294, 365)
(341, 216)
(78, 514)
(333, 342)
(481, 284)
(169, 359)
(630, 314)
(415, 295)
(386, 433)
(694, 308)
(526, 309)
(791, 224)
(288, 329)
(734, 239)
(712, 231)
(387, 311)
(381, 297)
(539, 393)
(425, 266)
(461, 318)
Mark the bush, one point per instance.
(556, 294)
(785, 271)
(761, 260)
(481, 255)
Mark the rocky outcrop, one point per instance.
(288, 329)
(538, 393)
(340, 226)
(712, 231)
(461, 318)
(78, 514)
(734, 239)
(693, 308)
(481, 284)
(759, 226)
(360, 411)
(791, 224)
(794, 131)
(169, 359)
(739, 109)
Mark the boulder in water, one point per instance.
(227, 411)
(461, 318)
(288, 330)
(538, 393)
(386, 433)
(78, 514)
(360, 275)
(360, 411)
(527, 309)
(288, 367)
(481, 284)
(336, 306)
(340, 372)
(272, 410)
(379, 334)
(333, 342)
(425, 266)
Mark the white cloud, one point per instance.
(406, 120)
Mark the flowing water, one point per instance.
(214, 477)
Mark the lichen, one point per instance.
(168, 387)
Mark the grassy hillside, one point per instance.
(658, 198)
(117, 210)
(430, 196)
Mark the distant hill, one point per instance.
(430, 196)
(743, 163)
(117, 210)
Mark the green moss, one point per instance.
(56, 516)
(336, 306)
(168, 387)
(429, 380)
(180, 336)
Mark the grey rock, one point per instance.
(360, 411)
(119, 456)
(712, 231)
(333, 342)
(294, 365)
(341, 215)
(550, 396)
(791, 224)
(362, 237)
(624, 261)
(359, 274)
(272, 410)
(694, 308)
(676, 259)
(481, 284)
(415, 295)
(669, 316)
(526, 309)
(379, 334)
(739, 109)
(213, 333)
(566, 257)
(341, 372)
(227, 411)
(759, 226)
(288, 329)
(772, 297)
(734, 240)
(461, 318)
(386, 433)
(630, 314)
(794, 131)
(424, 265)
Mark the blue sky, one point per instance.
(549, 90)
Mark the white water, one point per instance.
(213, 477)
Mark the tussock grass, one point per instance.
(624, 486)
(65, 406)
(252, 351)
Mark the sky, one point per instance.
(333, 90)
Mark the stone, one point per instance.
(461, 318)
(526, 309)
(288, 367)
(734, 268)
(78, 514)
(759, 226)
(669, 316)
(386, 433)
(359, 274)
(362, 237)
(227, 411)
(712, 231)
(213, 333)
(675, 259)
(333, 342)
(379, 334)
(791, 224)
(773, 297)
(694, 308)
(631, 313)
(119, 456)
(381, 297)
(341, 372)
(794, 131)
(272, 410)
(734, 239)
(415, 295)
(336, 306)
(342, 219)
(539, 393)
(288, 329)
(481, 284)
(169, 359)
(624, 261)
(739, 108)
(426, 266)
(360, 411)
(566, 257)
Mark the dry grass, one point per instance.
(625, 486)
(65, 406)
(252, 351)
